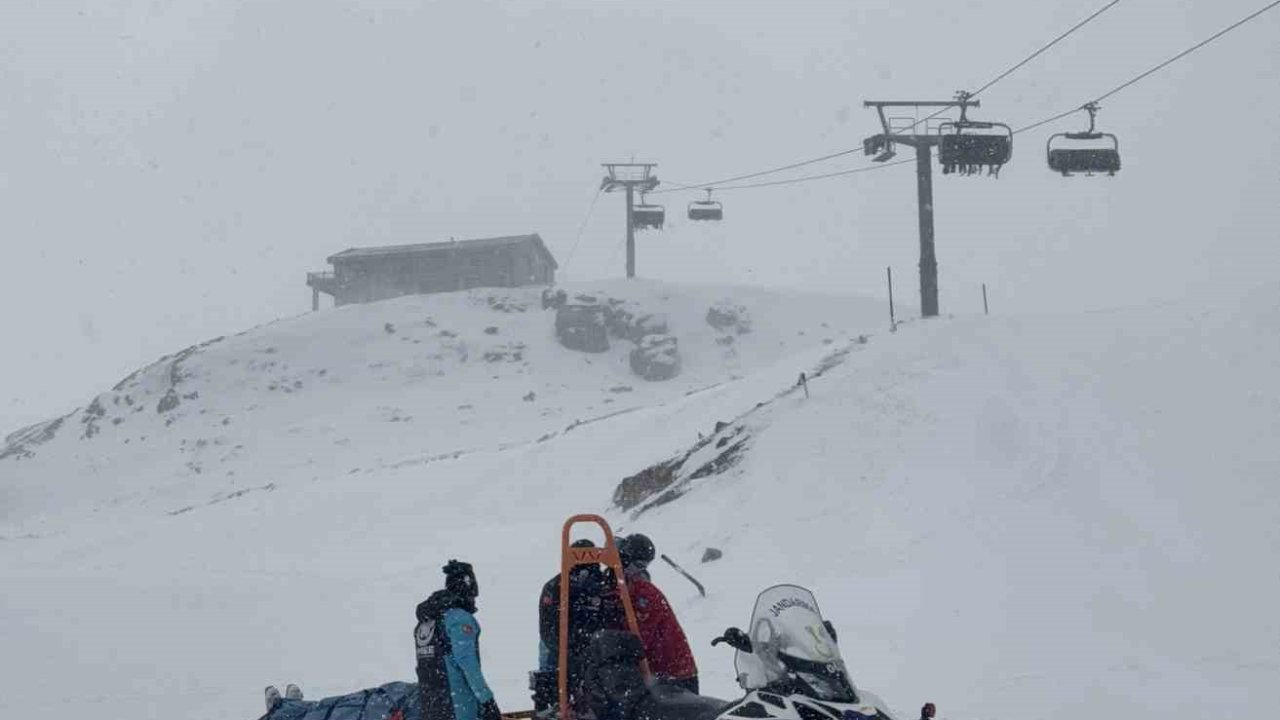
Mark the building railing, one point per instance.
(325, 282)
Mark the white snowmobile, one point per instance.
(788, 661)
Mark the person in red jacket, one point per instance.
(665, 645)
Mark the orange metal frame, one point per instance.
(570, 558)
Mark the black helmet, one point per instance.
(636, 551)
(460, 579)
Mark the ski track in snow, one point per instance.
(1011, 517)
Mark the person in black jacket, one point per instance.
(447, 638)
(590, 610)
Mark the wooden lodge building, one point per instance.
(363, 275)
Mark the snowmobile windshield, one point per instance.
(791, 646)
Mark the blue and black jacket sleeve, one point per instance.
(464, 637)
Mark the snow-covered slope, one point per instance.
(403, 382)
(1035, 517)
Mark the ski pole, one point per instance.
(701, 590)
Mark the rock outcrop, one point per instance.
(581, 327)
(656, 358)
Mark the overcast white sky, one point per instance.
(170, 170)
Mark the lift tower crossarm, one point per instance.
(880, 105)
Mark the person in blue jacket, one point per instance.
(447, 638)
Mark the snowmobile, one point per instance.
(787, 661)
(790, 661)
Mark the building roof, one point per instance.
(458, 246)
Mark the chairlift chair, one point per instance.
(706, 209)
(968, 146)
(646, 215)
(1073, 154)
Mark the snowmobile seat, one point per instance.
(669, 702)
(618, 690)
(616, 647)
(613, 680)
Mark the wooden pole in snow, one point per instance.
(893, 324)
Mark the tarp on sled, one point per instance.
(379, 703)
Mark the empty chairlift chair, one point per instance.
(1088, 152)
(706, 209)
(645, 215)
(968, 147)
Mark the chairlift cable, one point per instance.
(1026, 60)
(582, 228)
(674, 186)
(808, 178)
(1157, 68)
(1059, 116)
(1042, 50)
(721, 184)
(717, 183)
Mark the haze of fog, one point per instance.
(169, 172)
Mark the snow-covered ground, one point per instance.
(1029, 517)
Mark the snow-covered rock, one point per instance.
(582, 327)
(656, 358)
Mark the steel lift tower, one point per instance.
(965, 146)
(630, 177)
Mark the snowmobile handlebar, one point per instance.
(831, 629)
(734, 638)
(738, 640)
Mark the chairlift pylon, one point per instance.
(1090, 160)
(706, 209)
(966, 147)
(645, 215)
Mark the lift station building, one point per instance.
(368, 274)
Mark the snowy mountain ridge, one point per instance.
(991, 510)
